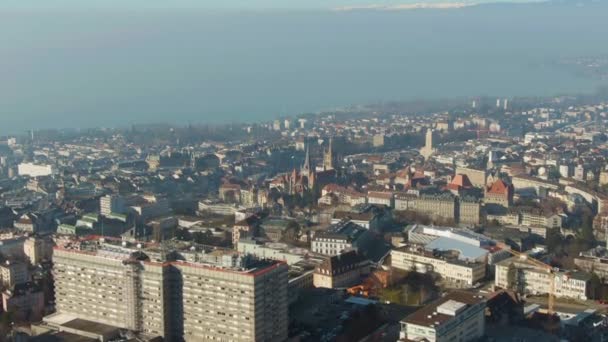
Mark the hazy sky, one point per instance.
(222, 4)
(87, 68)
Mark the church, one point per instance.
(308, 178)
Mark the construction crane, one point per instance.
(550, 270)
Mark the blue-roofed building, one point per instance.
(466, 252)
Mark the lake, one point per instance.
(79, 68)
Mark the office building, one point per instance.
(458, 316)
(458, 273)
(525, 277)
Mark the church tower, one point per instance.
(305, 170)
(328, 157)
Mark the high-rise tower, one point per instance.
(428, 150)
(328, 157)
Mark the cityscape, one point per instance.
(303, 171)
(480, 222)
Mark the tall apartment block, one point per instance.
(182, 293)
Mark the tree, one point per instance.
(595, 286)
(553, 173)
(291, 233)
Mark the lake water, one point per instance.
(108, 68)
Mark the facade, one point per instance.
(112, 204)
(456, 272)
(144, 290)
(234, 306)
(499, 193)
(381, 198)
(13, 273)
(339, 238)
(525, 277)
(594, 261)
(438, 206)
(38, 249)
(469, 211)
(458, 316)
(24, 302)
(405, 202)
(537, 218)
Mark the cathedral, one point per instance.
(305, 179)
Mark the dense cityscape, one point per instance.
(477, 220)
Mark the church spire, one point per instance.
(306, 167)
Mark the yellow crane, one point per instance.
(550, 270)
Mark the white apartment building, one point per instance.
(524, 277)
(459, 273)
(211, 296)
(458, 316)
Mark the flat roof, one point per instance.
(429, 315)
(90, 326)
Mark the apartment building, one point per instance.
(177, 293)
(458, 316)
(525, 277)
(456, 272)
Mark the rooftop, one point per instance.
(444, 309)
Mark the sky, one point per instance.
(86, 68)
(222, 4)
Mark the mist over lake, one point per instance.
(81, 68)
